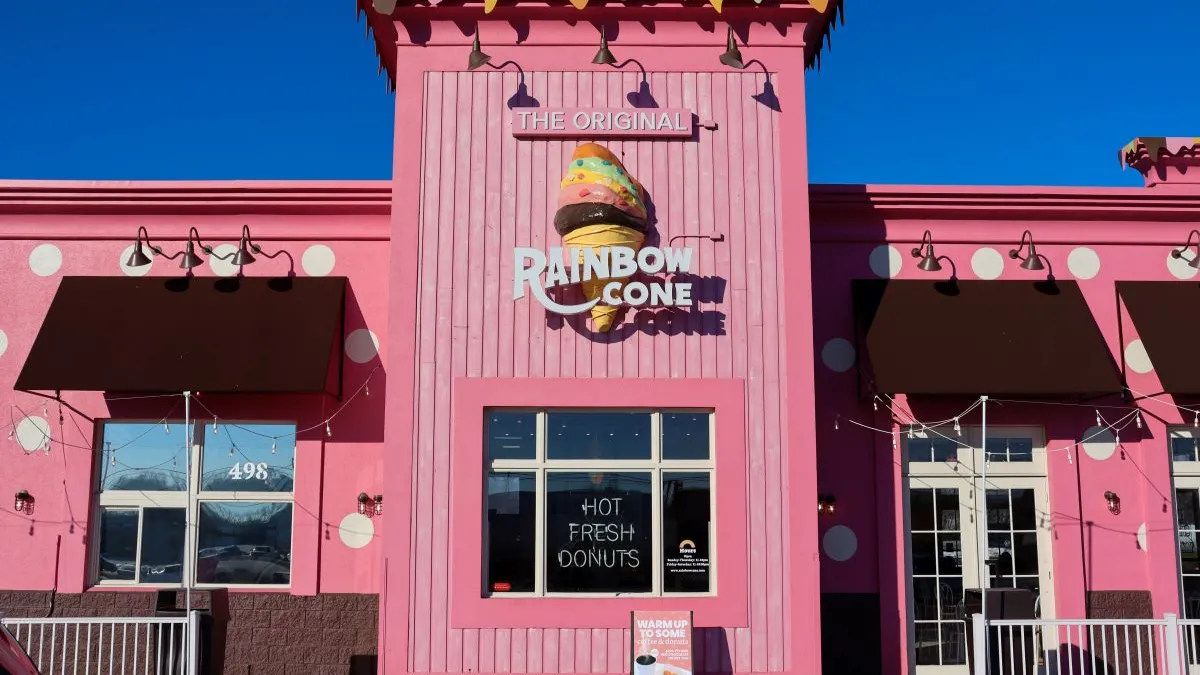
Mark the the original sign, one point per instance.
(605, 262)
(662, 643)
(601, 122)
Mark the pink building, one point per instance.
(602, 348)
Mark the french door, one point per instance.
(943, 537)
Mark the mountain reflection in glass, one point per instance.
(244, 543)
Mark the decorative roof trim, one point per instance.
(1148, 150)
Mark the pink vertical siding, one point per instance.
(485, 193)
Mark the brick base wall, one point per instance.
(252, 633)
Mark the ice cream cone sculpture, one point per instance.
(600, 204)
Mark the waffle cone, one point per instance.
(596, 237)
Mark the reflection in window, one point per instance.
(685, 435)
(118, 534)
(511, 532)
(248, 458)
(1184, 449)
(147, 456)
(244, 543)
(598, 435)
(931, 449)
(936, 550)
(511, 435)
(1012, 537)
(1009, 449)
(244, 537)
(162, 546)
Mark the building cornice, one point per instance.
(195, 197)
(1163, 203)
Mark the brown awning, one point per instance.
(982, 337)
(173, 334)
(1167, 317)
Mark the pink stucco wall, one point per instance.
(49, 230)
(1130, 233)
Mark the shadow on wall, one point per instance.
(862, 610)
(361, 416)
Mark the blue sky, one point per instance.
(957, 92)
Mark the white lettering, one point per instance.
(679, 122)
(581, 120)
(542, 118)
(615, 263)
(598, 121)
(523, 116)
(623, 262)
(558, 120)
(623, 121)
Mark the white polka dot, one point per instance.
(840, 543)
(223, 268)
(1137, 359)
(1099, 443)
(361, 345)
(356, 530)
(1083, 263)
(1141, 537)
(886, 261)
(3, 342)
(135, 271)
(838, 355)
(33, 433)
(45, 260)
(1179, 267)
(318, 260)
(987, 263)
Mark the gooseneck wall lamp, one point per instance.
(929, 260)
(141, 242)
(1032, 260)
(603, 56)
(732, 56)
(477, 59)
(1194, 263)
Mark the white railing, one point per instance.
(109, 646)
(1084, 647)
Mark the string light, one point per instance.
(272, 446)
(835, 423)
(1138, 419)
(957, 428)
(214, 424)
(328, 430)
(166, 427)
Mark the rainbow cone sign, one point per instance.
(662, 643)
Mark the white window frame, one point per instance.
(1184, 476)
(655, 465)
(964, 475)
(191, 499)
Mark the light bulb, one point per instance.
(1196, 421)
(1099, 422)
(910, 432)
(1117, 438)
(272, 447)
(1138, 418)
(166, 427)
(875, 403)
(835, 424)
(328, 431)
(214, 424)
(114, 460)
(957, 428)
(367, 388)
(231, 451)
(45, 410)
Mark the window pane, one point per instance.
(920, 510)
(686, 516)
(925, 553)
(511, 533)
(1186, 505)
(162, 545)
(511, 435)
(598, 435)
(598, 532)
(685, 435)
(947, 508)
(1183, 449)
(118, 544)
(244, 543)
(247, 457)
(147, 456)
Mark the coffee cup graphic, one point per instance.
(645, 664)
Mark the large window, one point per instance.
(943, 470)
(599, 502)
(236, 495)
(1185, 469)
